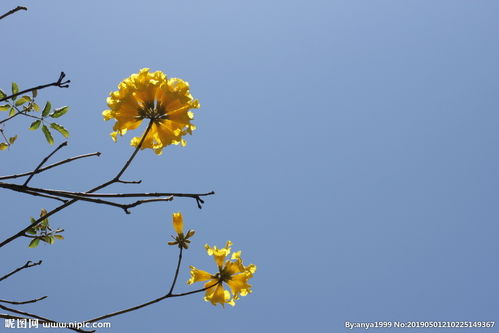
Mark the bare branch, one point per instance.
(45, 196)
(50, 166)
(23, 302)
(40, 318)
(101, 186)
(26, 265)
(176, 271)
(59, 83)
(117, 313)
(65, 143)
(12, 11)
(129, 181)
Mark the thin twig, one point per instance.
(40, 317)
(23, 302)
(127, 164)
(65, 143)
(148, 303)
(176, 271)
(12, 11)
(50, 166)
(26, 265)
(45, 196)
(59, 83)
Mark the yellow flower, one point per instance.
(233, 273)
(166, 102)
(178, 222)
(178, 225)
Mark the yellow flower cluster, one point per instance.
(233, 273)
(151, 95)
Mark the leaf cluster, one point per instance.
(42, 231)
(26, 106)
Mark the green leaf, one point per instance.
(12, 139)
(21, 101)
(15, 89)
(48, 135)
(34, 93)
(31, 231)
(12, 112)
(46, 109)
(60, 129)
(59, 237)
(51, 239)
(35, 107)
(34, 243)
(3, 146)
(45, 239)
(60, 111)
(32, 219)
(2, 94)
(34, 125)
(4, 107)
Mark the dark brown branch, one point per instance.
(50, 166)
(61, 207)
(129, 181)
(12, 11)
(65, 143)
(59, 83)
(94, 197)
(23, 302)
(26, 265)
(176, 271)
(40, 318)
(148, 303)
(46, 196)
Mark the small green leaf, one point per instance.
(15, 89)
(34, 125)
(45, 239)
(12, 112)
(60, 129)
(2, 94)
(60, 111)
(21, 101)
(48, 135)
(4, 107)
(31, 231)
(46, 109)
(51, 239)
(35, 107)
(59, 237)
(12, 139)
(3, 146)
(34, 93)
(32, 219)
(34, 243)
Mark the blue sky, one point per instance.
(352, 145)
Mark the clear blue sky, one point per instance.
(353, 147)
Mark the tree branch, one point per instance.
(40, 318)
(61, 207)
(59, 83)
(50, 166)
(65, 143)
(24, 302)
(148, 303)
(26, 265)
(12, 11)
